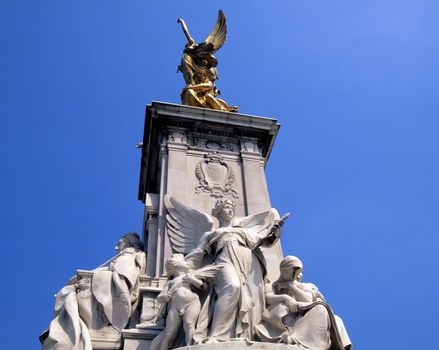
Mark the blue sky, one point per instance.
(355, 85)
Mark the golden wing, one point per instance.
(218, 36)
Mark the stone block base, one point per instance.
(241, 345)
(138, 339)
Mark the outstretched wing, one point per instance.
(185, 225)
(218, 36)
(256, 223)
(208, 272)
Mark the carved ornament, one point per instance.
(215, 176)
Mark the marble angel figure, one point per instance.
(182, 303)
(239, 301)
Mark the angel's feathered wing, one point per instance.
(185, 225)
(208, 271)
(218, 36)
(257, 224)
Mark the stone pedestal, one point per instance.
(198, 156)
(138, 339)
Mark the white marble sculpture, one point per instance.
(298, 314)
(103, 303)
(238, 302)
(182, 303)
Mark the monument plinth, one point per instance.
(199, 155)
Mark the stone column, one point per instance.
(151, 232)
(175, 183)
(255, 186)
(257, 198)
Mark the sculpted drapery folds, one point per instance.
(104, 303)
(198, 65)
(298, 314)
(239, 284)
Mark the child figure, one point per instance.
(182, 303)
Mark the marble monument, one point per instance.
(208, 271)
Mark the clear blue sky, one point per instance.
(355, 85)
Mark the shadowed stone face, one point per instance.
(228, 212)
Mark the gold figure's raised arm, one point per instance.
(189, 38)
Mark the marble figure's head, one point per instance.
(292, 267)
(129, 240)
(224, 209)
(176, 263)
(83, 284)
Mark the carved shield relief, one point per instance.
(215, 176)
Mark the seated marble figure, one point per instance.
(98, 302)
(298, 314)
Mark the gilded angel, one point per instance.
(198, 65)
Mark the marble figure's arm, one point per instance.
(164, 296)
(290, 303)
(193, 280)
(204, 240)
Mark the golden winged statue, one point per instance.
(198, 65)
